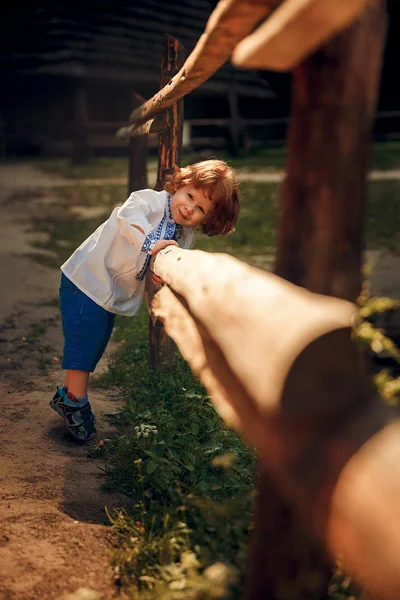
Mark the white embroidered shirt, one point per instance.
(111, 264)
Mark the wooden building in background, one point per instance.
(71, 67)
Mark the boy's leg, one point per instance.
(86, 328)
(77, 383)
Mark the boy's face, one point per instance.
(190, 206)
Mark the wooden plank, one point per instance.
(155, 126)
(293, 31)
(290, 393)
(230, 22)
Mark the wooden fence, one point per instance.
(200, 134)
(278, 360)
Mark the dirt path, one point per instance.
(25, 175)
(52, 537)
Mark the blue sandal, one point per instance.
(78, 416)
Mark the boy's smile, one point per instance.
(190, 206)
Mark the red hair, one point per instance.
(219, 183)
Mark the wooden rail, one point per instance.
(332, 449)
(293, 31)
(230, 22)
(101, 134)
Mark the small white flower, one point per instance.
(144, 430)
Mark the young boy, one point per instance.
(105, 276)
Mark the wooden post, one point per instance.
(80, 150)
(137, 176)
(169, 148)
(320, 239)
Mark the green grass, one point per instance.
(188, 478)
(65, 229)
(385, 155)
(383, 216)
(96, 168)
(261, 159)
(254, 238)
(259, 219)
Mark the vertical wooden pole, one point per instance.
(137, 173)
(169, 148)
(320, 239)
(320, 244)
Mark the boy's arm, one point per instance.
(133, 219)
(159, 246)
(134, 224)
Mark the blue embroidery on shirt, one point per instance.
(178, 233)
(149, 242)
(151, 238)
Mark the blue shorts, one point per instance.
(87, 327)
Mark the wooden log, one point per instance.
(168, 156)
(137, 170)
(156, 125)
(290, 394)
(230, 22)
(320, 237)
(293, 31)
